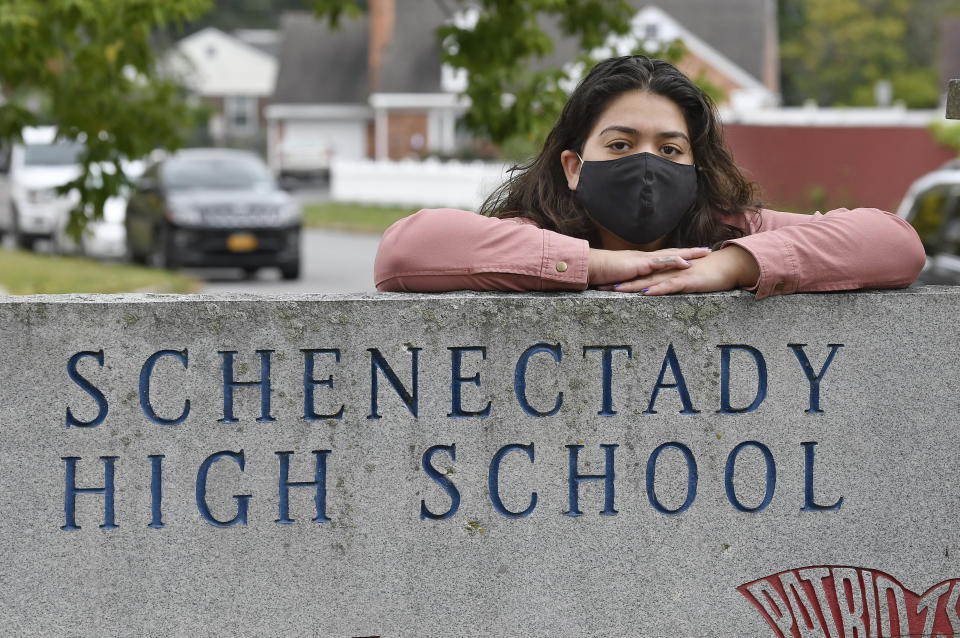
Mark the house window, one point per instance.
(240, 112)
(651, 31)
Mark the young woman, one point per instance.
(634, 191)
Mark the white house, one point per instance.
(732, 44)
(652, 26)
(374, 88)
(236, 78)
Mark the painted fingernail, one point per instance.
(686, 262)
(617, 285)
(707, 248)
(645, 290)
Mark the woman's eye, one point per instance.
(671, 150)
(618, 146)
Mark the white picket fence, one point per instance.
(425, 184)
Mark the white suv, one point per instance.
(38, 166)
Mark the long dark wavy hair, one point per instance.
(537, 189)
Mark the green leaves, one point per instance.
(834, 51)
(511, 94)
(946, 134)
(334, 10)
(91, 67)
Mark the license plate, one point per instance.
(241, 242)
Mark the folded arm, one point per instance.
(840, 250)
(445, 249)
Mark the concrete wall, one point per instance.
(480, 465)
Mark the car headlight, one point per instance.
(289, 213)
(41, 195)
(184, 215)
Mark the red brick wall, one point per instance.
(801, 169)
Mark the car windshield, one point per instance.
(217, 173)
(56, 154)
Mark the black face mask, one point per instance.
(639, 198)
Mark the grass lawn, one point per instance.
(352, 217)
(26, 273)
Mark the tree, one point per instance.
(228, 15)
(91, 67)
(835, 51)
(514, 100)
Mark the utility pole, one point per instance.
(953, 100)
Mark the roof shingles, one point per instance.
(321, 66)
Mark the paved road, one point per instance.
(333, 262)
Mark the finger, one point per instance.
(668, 262)
(686, 253)
(635, 285)
(666, 287)
(650, 265)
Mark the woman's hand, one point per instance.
(728, 268)
(618, 266)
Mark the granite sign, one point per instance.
(481, 464)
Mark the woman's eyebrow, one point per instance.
(621, 129)
(669, 134)
(632, 131)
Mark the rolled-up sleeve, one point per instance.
(840, 250)
(437, 250)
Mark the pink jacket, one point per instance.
(445, 249)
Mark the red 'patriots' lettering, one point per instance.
(853, 602)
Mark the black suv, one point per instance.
(213, 207)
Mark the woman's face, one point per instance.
(635, 122)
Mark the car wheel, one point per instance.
(133, 256)
(290, 271)
(5, 231)
(159, 256)
(24, 242)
